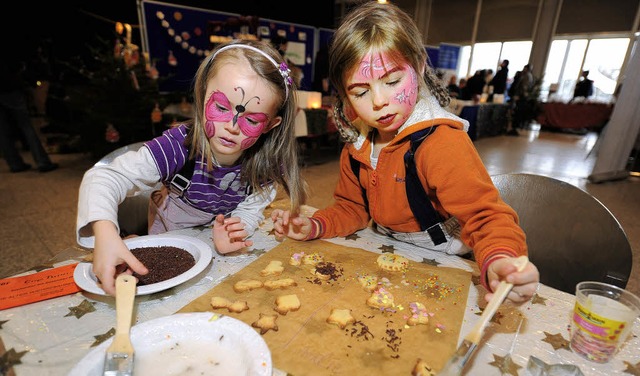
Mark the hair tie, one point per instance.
(282, 67)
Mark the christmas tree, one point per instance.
(111, 92)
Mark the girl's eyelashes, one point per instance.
(360, 94)
(221, 108)
(252, 121)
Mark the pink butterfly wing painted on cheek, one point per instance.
(248, 142)
(254, 127)
(213, 113)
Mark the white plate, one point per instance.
(206, 342)
(86, 280)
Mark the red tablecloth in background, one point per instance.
(575, 115)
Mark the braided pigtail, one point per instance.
(348, 131)
(436, 88)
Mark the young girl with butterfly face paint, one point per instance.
(241, 146)
(390, 99)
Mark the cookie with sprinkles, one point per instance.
(392, 262)
(312, 259)
(381, 298)
(368, 282)
(296, 259)
(327, 270)
(419, 314)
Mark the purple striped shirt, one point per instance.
(217, 192)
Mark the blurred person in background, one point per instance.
(584, 86)
(15, 117)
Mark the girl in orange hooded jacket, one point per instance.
(378, 64)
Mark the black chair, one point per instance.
(571, 236)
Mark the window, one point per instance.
(602, 57)
(490, 55)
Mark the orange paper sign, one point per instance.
(47, 284)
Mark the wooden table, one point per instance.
(50, 337)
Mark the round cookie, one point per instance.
(392, 263)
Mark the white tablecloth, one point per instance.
(48, 339)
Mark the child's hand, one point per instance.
(294, 227)
(112, 257)
(229, 234)
(524, 283)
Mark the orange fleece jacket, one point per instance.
(454, 178)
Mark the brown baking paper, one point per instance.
(379, 342)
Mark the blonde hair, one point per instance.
(274, 157)
(380, 28)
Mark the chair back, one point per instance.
(571, 236)
(134, 210)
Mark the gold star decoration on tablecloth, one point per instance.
(536, 366)
(2, 323)
(81, 309)
(431, 262)
(272, 232)
(103, 337)
(353, 236)
(633, 369)
(10, 359)
(505, 364)
(496, 316)
(537, 299)
(556, 340)
(258, 252)
(387, 248)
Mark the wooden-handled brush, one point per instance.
(457, 362)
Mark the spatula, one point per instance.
(119, 357)
(457, 362)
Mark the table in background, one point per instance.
(592, 116)
(50, 337)
(313, 122)
(486, 119)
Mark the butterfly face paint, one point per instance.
(219, 110)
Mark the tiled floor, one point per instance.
(37, 211)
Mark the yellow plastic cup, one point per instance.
(602, 320)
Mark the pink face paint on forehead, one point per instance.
(374, 67)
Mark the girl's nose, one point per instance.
(378, 98)
(232, 126)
